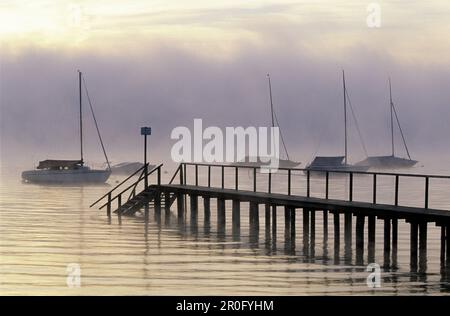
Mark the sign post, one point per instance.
(145, 131)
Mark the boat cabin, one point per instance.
(60, 164)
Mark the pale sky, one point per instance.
(415, 31)
(164, 63)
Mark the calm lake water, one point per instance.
(46, 228)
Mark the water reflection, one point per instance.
(181, 254)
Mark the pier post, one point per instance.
(207, 209)
(157, 201)
(207, 214)
(447, 237)
(394, 241)
(254, 216)
(287, 222)
(336, 235)
(360, 239)
(443, 241)
(371, 238)
(267, 219)
(236, 217)
(293, 224)
(274, 222)
(325, 233)
(348, 236)
(180, 206)
(108, 206)
(413, 245)
(387, 242)
(194, 207)
(306, 227)
(254, 224)
(312, 239)
(221, 217)
(423, 246)
(167, 203)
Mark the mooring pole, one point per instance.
(145, 131)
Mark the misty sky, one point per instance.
(164, 63)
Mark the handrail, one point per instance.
(309, 172)
(323, 170)
(133, 174)
(134, 183)
(175, 174)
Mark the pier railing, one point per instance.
(182, 172)
(144, 175)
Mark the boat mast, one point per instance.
(345, 115)
(274, 118)
(81, 118)
(392, 117)
(271, 101)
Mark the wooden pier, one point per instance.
(161, 196)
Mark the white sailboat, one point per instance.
(70, 171)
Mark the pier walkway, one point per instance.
(144, 194)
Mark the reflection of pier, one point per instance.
(365, 215)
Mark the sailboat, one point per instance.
(338, 163)
(262, 161)
(70, 171)
(391, 161)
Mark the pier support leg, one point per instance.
(293, 225)
(360, 239)
(236, 218)
(194, 207)
(306, 226)
(423, 246)
(287, 223)
(394, 242)
(108, 206)
(312, 239)
(254, 223)
(207, 209)
(387, 242)
(413, 246)
(157, 201)
(274, 222)
(337, 234)
(447, 247)
(348, 236)
(167, 203)
(254, 216)
(221, 217)
(443, 242)
(180, 206)
(325, 226)
(267, 218)
(371, 238)
(207, 214)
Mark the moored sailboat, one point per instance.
(337, 163)
(391, 161)
(70, 171)
(258, 161)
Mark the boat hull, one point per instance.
(79, 176)
(387, 162)
(347, 168)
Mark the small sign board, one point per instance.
(146, 130)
